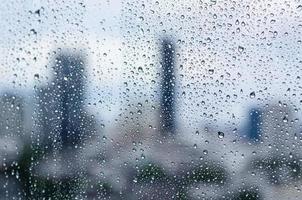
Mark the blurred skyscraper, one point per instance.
(69, 80)
(254, 126)
(275, 127)
(167, 109)
(62, 113)
(280, 129)
(12, 131)
(11, 115)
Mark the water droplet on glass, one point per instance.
(240, 49)
(220, 134)
(36, 76)
(252, 95)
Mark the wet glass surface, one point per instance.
(150, 99)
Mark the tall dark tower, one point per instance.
(62, 117)
(69, 80)
(167, 87)
(254, 126)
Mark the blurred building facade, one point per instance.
(279, 129)
(11, 115)
(254, 125)
(12, 130)
(62, 114)
(167, 104)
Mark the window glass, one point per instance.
(150, 99)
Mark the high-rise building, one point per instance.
(12, 128)
(11, 115)
(254, 126)
(62, 113)
(280, 128)
(274, 126)
(167, 106)
(69, 81)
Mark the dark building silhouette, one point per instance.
(254, 125)
(70, 82)
(167, 87)
(11, 115)
(62, 102)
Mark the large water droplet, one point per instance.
(220, 134)
(252, 95)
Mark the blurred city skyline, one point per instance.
(150, 99)
(227, 65)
